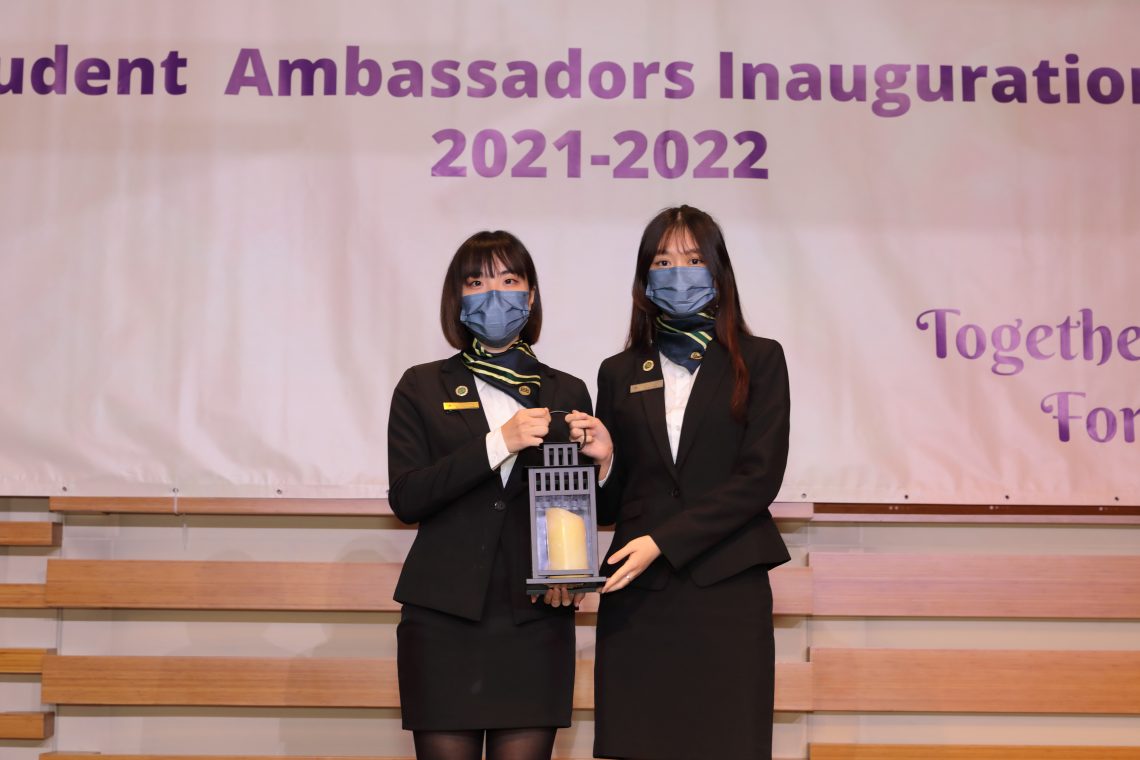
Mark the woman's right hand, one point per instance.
(527, 428)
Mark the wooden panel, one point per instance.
(794, 687)
(981, 681)
(140, 584)
(977, 513)
(219, 681)
(23, 660)
(22, 596)
(285, 682)
(97, 756)
(976, 586)
(26, 726)
(791, 511)
(210, 506)
(164, 505)
(967, 752)
(584, 685)
(93, 756)
(368, 587)
(30, 533)
(791, 590)
(781, 511)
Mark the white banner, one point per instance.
(225, 227)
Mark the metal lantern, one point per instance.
(563, 522)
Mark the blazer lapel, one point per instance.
(459, 386)
(705, 390)
(648, 370)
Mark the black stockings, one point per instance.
(502, 744)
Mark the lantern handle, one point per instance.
(563, 411)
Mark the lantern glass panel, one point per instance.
(565, 542)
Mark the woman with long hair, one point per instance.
(698, 411)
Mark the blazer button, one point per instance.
(499, 505)
(676, 493)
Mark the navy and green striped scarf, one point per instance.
(683, 340)
(514, 371)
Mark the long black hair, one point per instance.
(730, 324)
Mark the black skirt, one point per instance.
(457, 674)
(686, 673)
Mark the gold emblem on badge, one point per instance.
(695, 355)
(524, 390)
(647, 366)
(461, 391)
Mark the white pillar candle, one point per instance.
(565, 540)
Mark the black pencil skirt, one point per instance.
(457, 674)
(686, 673)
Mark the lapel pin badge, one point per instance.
(647, 366)
(695, 355)
(524, 390)
(461, 391)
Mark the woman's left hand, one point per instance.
(638, 555)
(594, 438)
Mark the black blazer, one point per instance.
(440, 478)
(708, 513)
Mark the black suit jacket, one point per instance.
(708, 513)
(440, 478)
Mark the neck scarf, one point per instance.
(683, 340)
(514, 371)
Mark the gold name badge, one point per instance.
(451, 406)
(639, 387)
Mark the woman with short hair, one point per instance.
(478, 660)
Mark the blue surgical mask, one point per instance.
(681, 291)
(496, 317)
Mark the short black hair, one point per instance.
(477, 256)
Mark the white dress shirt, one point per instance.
(678, 386)
(498, 407)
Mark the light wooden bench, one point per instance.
(868, 585)
(835, 680)
(984, 514)
(23, 661)
(13, 533)
(833, 584)
(993, 586)
(302, 586)
(23, 596)
(26, 726)
(976, 681)
(977, 514)
(281, 682)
